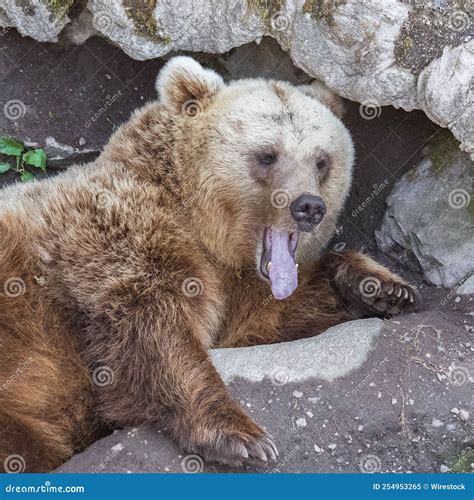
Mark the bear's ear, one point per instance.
(184, 80)
(321, 93)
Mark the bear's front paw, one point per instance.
(384, 295)
(233, 450)
(234, 440)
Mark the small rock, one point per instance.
(455, 411)
(82, 141)
(464, 415)
(457, 299)
(301, 422)
(444, 468)
(317, 449)
(436, 422)
(297, 394)
(332, 446)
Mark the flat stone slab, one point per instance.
(365, 396)
(325, 357)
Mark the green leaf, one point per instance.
(36, 158)
(4, 167)
(9, 146)
(26, 177)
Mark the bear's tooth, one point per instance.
(269, 265)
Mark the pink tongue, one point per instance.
(283, 272)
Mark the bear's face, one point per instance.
(272, 165)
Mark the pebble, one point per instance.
(464, 415)
(455, 411)
(436, 422)
(444, 468)
(457, 299)
(317, 449)
(82, 141)
(332, 446)
(301, 422)
(297, 394)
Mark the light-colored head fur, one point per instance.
(224, 133)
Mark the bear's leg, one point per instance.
(368, 288)
(158, 371)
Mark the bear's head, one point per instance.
(270, 166)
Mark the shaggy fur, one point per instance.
(117, 276)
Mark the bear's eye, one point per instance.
(266, 159)
(323, 164)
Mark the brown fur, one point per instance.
(136, 264)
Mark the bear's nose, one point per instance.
(308, 211)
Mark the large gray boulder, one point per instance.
(429, 222)
(42, 20)
(414, 55)
(365, 396)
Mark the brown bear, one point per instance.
(202, 224)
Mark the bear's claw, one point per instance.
(391, 298)
(234, 450)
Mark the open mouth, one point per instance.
(278, 262)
